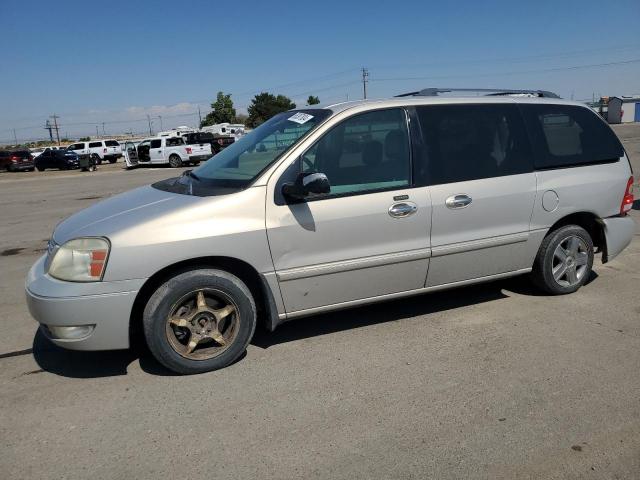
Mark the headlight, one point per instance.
(80, 260)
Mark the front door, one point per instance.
(477, 160)
(370, 235)
(130, 154)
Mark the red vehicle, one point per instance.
(16, 160)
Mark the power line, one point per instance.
(543, 70)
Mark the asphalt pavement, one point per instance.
(491, 381)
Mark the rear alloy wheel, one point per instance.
(564, 260)
(199, 321)
(175, 161)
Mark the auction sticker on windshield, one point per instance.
(300, 118)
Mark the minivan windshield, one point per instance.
(241, 162)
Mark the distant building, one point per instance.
(623, 109)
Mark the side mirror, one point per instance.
(306, 184)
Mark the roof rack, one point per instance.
(433, 92)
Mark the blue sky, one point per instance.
(116, 62)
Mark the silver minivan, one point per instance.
(329, 207)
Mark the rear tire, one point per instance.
(40, 169)
(564, 260)
(172, 321)
(113, 160)
(175, 161)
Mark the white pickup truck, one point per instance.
(163, 150)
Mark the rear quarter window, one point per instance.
(568, 136)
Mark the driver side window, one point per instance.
(366, 152)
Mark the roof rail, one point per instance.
(433, 92)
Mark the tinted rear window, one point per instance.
(568, 135)
(111, 143)
(95, 144)
(469, 142)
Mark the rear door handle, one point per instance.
(402, 209)
(458, 201)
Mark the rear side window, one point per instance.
(470, 142)
(568, 135)
(111, 143)
(95, 144)
(171, 142)
(156, 143)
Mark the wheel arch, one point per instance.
(590, 222)
(255, 282)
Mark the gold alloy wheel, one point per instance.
(202, 324)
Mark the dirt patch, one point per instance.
(10, 251)
(96, 197)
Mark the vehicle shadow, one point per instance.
(636, 204)
(77, 364)
(389, 311)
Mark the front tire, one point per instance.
(199, 320)
(564, 260)
(175, 161)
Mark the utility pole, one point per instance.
(149, 120)
(15, 139)
(97, 132)
(47, 126)
(160, 117)
(199, 116)
(103, 134)
(55, 126)
(365, 79)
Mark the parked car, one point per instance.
(35, 152)
(60, 159)
(16, 160)
(439, 193)
(216, 142)
(165, 150)
(106, 150)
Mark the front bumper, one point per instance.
(105, 305)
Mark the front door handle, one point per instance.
(458, 201)
(402, 209)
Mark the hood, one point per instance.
(121, 212)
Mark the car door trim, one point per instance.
(390, 296)
(479, 244)
(349, 265)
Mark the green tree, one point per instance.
(313, 100)
(265, 105)
(241, 118)
(222, 111)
